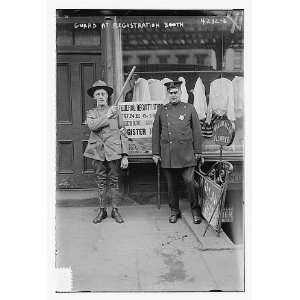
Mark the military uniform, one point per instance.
(106, 146)
(176, 138)
(105, 141)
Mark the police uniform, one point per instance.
(176, 138)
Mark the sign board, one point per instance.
(223, 132)
(138, 119)
(211, 195)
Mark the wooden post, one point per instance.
(111, 59)
(158, 185)
(118, 61)
(107, 51)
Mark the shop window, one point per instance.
(144, 59)
(205, 47)
(181, 59)
(163, 59)
(233, 45)
(126, 59)
(233, 59)
(199, 45)
(200, 59)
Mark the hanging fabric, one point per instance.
(141, 91)
(200, 99)
(156, 89)
(213, 59)
(184, 94)
(238, 94)
(128, 91)
(165, 93)
(206, 129)
(221, 100)
(229, 59)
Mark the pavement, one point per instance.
(146, 253)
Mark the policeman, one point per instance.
(176, 142)
(107, 147)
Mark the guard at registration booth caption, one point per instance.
(107, 147)
(177, 147)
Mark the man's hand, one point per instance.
(200, 158)
(112, 112)
(123, 132)
(156, 159)
(124, 162)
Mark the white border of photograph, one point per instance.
(51, 138)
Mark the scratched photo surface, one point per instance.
(204, 49)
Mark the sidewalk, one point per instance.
(146, 253)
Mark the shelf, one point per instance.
(140, 159)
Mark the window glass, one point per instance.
(208, 47)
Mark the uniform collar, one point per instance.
(172, 105)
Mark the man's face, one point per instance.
(174, 95)
(101, 96)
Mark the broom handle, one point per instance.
(126, 82)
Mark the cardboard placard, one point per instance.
(210, 196)
(138, 119)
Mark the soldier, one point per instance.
(176, 142)
(107, 147)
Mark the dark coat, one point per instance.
(176, 135)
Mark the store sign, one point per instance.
(223, 132)
(211, 195)
(138, 119)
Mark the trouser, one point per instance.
(107, 178)
(173, 177)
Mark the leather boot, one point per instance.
(116, 215)
(197, 219)
(196, 215)
(174, 217)
(102, 214)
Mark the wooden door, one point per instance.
(75, 74)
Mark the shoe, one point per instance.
(196, 219)
(116, 215)
(174, 217)
(102, 214)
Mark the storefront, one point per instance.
(201, 48)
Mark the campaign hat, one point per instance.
(99, 84)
